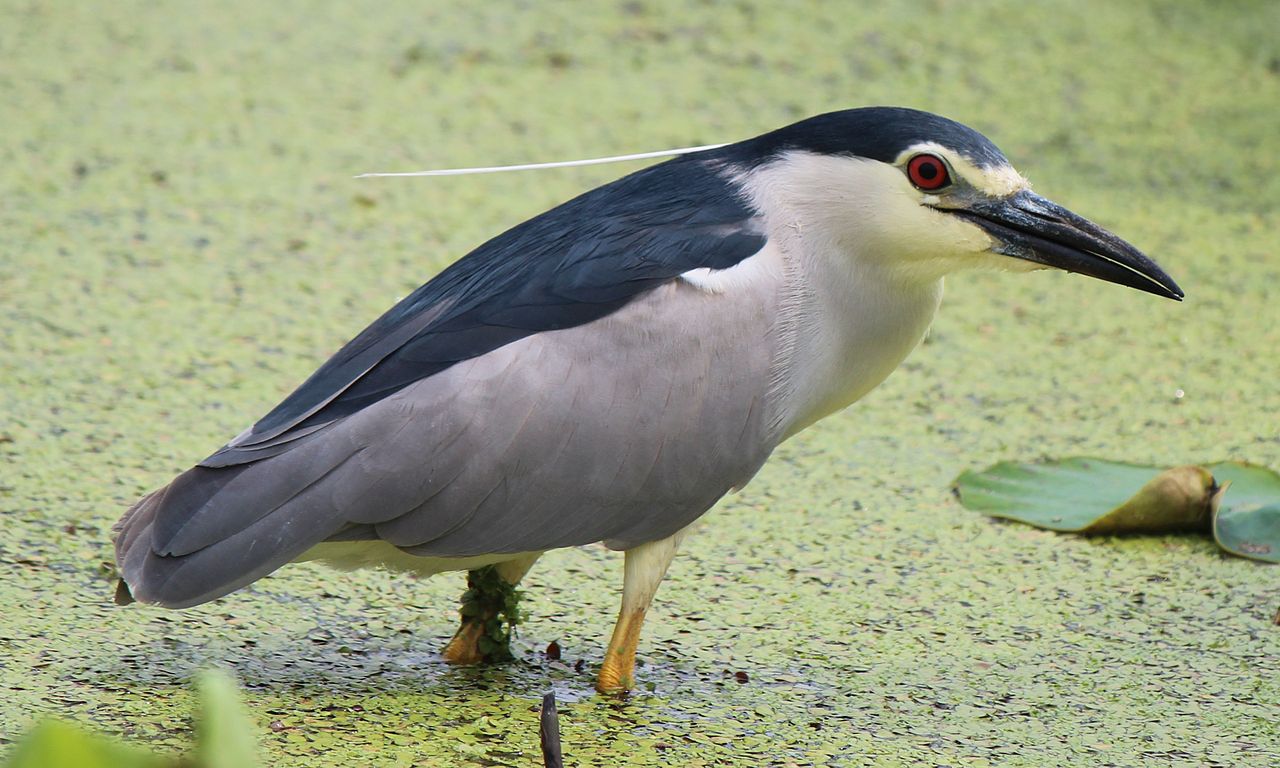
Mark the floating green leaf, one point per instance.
(1083, 495)
(1093, 496)
(1248, 523)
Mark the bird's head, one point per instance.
(927, 196)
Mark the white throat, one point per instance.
(848, 316)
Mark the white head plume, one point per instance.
(558, 164)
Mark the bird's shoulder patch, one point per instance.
(764, 264)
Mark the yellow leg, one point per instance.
(464, 648)
(643, 571)
(617, 673)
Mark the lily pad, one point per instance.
(1097, 497)
(1248, 523)
(1091, 496)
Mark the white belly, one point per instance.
(350, 555)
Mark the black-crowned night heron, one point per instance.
(609, 369)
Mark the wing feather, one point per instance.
(569, 266)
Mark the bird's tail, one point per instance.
(125, 533)
(213, 530)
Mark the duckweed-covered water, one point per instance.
(181, 242)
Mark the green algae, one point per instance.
(182, 243)
(495, 605)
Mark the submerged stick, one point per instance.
(549, 733)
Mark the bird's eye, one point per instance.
(928, 172)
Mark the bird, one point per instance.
(607, 370)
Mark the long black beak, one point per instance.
(1030, 227)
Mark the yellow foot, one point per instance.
(614, 679)
(618, 673)
(464, 648)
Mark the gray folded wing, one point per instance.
(624, 429)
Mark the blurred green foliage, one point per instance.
(55, 744)
(224, 739)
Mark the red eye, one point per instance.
(928, 172)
